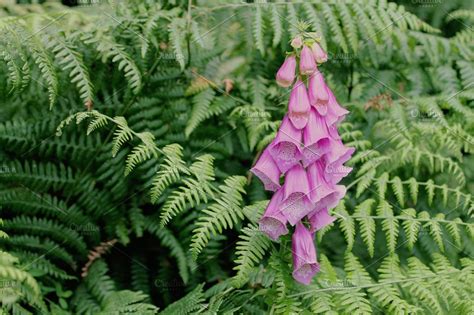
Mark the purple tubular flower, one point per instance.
(315, 137)
(286, 74)
(298, 105)
(338, 154)
(335, 172)
(331, 200)
(323, 194)
(286, 147)
(318, 94)
(317, 183)
(307, 62)
(305, 265)
(296, 203)
(319, 219)
(267, 171)
(319, 54)
(333, 131)
(273, 222)
(336, 113)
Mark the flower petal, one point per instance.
(273, 222)
(267, 171)
(317, 183)
(307, 61)
(318, 94)
(336, 113)
(296, 203)
(286, 74)
(299, 106)
(305, 265)
(316, 138)
(320, 219)
(286, 147)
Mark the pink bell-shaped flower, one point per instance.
(337, 155)
(317, 183)
(323, 195)
(305, 265)
(331, 200)
(307, 62)
(319, 219)
(286, 74)
(267, 171)
(315, 137)
(318, 94)
(273, 222)
(298, 106)
(286, 147)
(319, 54)
(334, 173)
(333, 131)
(296, 203)
(335, 113)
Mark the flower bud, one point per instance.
(286, 74)
(297, 42)
(319, 54)
(307, 63)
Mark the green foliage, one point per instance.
(144, 199)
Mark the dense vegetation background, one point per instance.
(142, 198)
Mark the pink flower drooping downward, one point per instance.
(307, 61)
(305, 265)
(286, 74)
(304, 164)
(298, 106)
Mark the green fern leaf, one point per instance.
(413, 186)
(410, 225)
(251, 249)
(397, 187)
(430, 188)
(223, 214)
(258, 29)
(189, 304)
(389, 224)
(346, 223)
(367, 224)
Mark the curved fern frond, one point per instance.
(221, 215)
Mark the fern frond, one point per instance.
(189, 304)
(71, 59)
(367, 224)
(200, 112)
(250, 251)
(127, 302)
(175, 30)
(346, 223)
(192, 191)
(223, 214)
(169, 171)
(169, 240)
